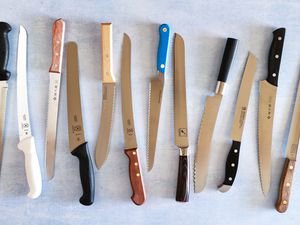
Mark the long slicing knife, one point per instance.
(77, 143)
(180, 120)
(53, 97)
(238, 123)
(108, 92)
(209, 118)
(131, 150)
(290, 161)
(4, 77)
(267, 97)
(156, 93)
(26, 144)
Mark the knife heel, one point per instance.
(231, 166)
(86, 174)
(183, 181)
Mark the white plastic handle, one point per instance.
(32, 167)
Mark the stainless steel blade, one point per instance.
(267, 99)
(3, 94)
(127, 113)
(108, 92)
(75, 124)
(207, 126)
(180, 111)
(156, 92)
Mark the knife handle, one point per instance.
(163, 46)
(183, 181)
(32, 167)
(57, 45)
(86, 174)
(4, 50)
(136, 179)
(285, 185)
(275, 56)
(228, 55)
(107, 53)
(232, 163)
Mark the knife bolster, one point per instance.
(220, 88)
(183, 181)
(183, 151)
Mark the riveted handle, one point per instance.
(4, 50)
(183, 181)
(162, 53)
(107, 53)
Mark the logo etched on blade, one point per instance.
(242, 116)
(182, 132)
(270, 108)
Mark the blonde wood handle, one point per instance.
(107, 55)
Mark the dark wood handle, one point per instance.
(285, 185)
(135, 175)
(183, 181)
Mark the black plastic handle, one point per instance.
(86, 174)
(183, 181)
(229, 51)
(4, 50)
(275, 56)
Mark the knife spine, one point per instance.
(107, 53)
(4, 50)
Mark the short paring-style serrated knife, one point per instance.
(108, 92)
(131, 150)
(26, 144)
(4, 77)
(209, 118)
(156, 93)
(286, 180)
(77, 143)
(181, 121)
(53, 96)
(267, 98)
(239, 119)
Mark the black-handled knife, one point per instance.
(77, 143)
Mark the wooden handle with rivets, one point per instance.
(107, 55)
(57, 45)
(285, 185)
(136, 179)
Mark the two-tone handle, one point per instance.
(86, 174)
(136, 178)
(275, 54)
(285, 185)
(232, 163)
(183, 181)
(4, 50)
(228, 55)
(32, 167)
(57, 45)
(162, 53)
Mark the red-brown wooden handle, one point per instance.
(136, 179)
(57, 45)
(285, 185)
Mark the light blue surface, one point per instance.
(163, 47)
(204, 25)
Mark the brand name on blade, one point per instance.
(55, 91)
(242, 116)
(270, 106)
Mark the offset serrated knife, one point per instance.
(53, 96)
(156, 93)
(26, 144)
(238, 123)
(131, 150)
(267, 97)
(108, 92)
(209, 118)
(285, 185)
(4, 77)
(181, 121)
(77, 143)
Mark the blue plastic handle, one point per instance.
(164, 33)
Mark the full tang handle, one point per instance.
(86, 173)
(136, 179)
(57, 45)
(183, 181)
(4, 50)
(162, 53)
(229, 51)
(32, 167)
(275, 56)
(285, 185)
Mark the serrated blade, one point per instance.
(204, 141)
(267, 99)
(156, 92)
(3, 95)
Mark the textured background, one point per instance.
(204, 26)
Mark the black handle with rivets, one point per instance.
(275, 56)
(4, 50)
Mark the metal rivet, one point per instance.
(284, 202)
(279, 38)
(230, 178)
(164, 29)
(288, 184)
(291, 167)
(133, 153)
(232, 165)
(57, 42)
(56, 54)
(136, 164)
(137, 174)
(274, 74)
(235, 151)
(162, 66)
(276, 56)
